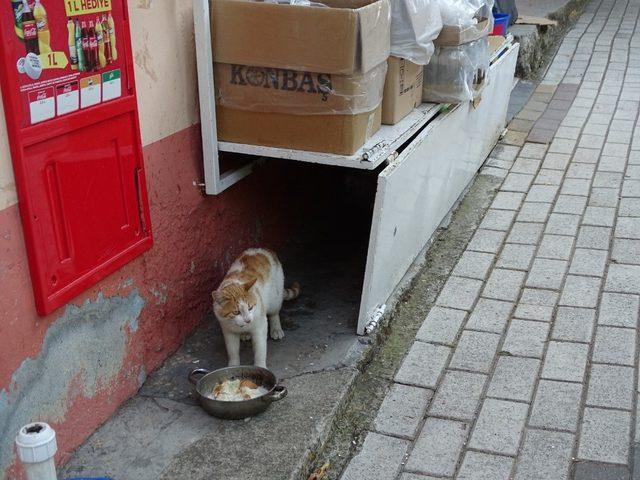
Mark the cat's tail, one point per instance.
(292, 293)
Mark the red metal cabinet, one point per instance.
(76, 150)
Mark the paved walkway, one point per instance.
(527, 366)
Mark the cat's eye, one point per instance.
(236, 313)
(251, 307)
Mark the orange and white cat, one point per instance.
(248, 302)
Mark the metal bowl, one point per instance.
(205, 381)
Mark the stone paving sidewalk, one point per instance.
(527, 366)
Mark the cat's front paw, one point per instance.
(277, 333)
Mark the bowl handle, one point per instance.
(278, 393)
(197, 374)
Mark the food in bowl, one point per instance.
(237, 390)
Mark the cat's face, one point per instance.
(236, 305)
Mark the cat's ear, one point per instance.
(216, 296)
(249, 284)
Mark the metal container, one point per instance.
(205, 381)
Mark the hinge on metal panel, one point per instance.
(368, 155)
(375, 319)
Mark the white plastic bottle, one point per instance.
(36, 445)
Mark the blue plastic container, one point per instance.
(500, 23)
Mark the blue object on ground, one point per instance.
(500, 23)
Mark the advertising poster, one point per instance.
(66, 55)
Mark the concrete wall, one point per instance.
(76, 366)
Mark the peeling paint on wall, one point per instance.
(82, 351)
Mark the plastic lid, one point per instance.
(36, 443)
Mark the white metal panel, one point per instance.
(418, 189)
(214, 182)
(485, 123)
(375, 151)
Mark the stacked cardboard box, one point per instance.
(402, 90)
(300, 77)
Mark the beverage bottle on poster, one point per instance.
(93, 46)
(107, 39)
(88, 66)
(82, 61)
(112, 37)
(42, 24)
(102, 59)
(73, 51)
(17, 7)
(29, 29)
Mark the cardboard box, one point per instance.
(266, 90)
(402, 90)
(352, 36)
(451, 35)
(340, 134)
(277, 90)
(299, 110)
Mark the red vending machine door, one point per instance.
(71, 112)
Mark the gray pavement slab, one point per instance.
(438, 447)
(402, 410)
(381, 457)
(545, 455)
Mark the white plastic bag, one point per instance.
(415, 24)
(484, 8)
(463, 13)
(457, 73)
(457, 12)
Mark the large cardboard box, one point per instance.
(351, 36)
(402, 90)
(340, 134)
(300, 77)
(299, 110)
